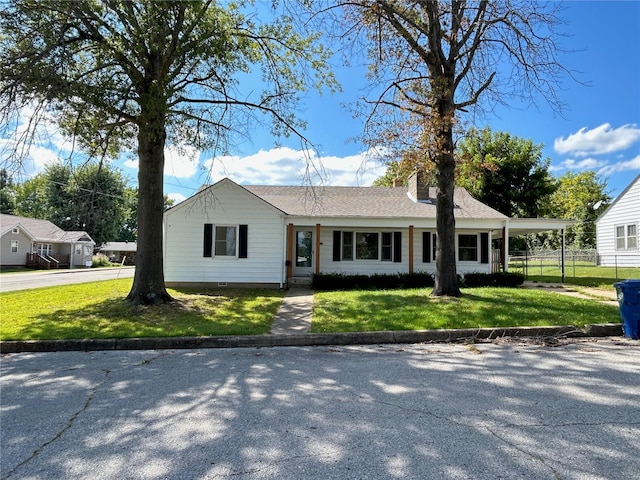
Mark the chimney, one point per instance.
(419, 187)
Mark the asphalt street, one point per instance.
(50, 278)
(438, 411)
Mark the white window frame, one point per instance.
(347, 247)
(625, 237)
(476, 248)
(217, 241)
(15, 230)
(44, 248)
(388, 246)
(355, 246)
(632, 238)
(77, 249)
(15, 246)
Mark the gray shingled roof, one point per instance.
(373, 202)
(41, 230)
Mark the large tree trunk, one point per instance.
(148, 283)
(446, 278)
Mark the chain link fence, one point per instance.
(577, 264)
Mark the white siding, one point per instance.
(624, 211)
(224, 204)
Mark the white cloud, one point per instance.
(176, 197)
(286, 166)
(585, 164)
(599, 140)
(179, 161)
(633, 164)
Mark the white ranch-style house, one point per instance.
(233, 235)
(618, 229)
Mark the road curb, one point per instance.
(310, 339)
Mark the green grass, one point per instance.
(353, 311)
(98, 310)
(577, 273)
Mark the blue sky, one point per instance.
(599, 130)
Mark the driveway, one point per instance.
(439, 411)
(49, 278)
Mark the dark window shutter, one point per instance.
(242, 246)
(484, 248)
(208, 240)
(426, 247)
(336, 245)
(397, 247)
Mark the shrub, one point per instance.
(380, 281)
(100, 260)
(499, 279)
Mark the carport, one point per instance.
(515, 227)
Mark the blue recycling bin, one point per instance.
(629, 302)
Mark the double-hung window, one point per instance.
(14, 246)
(626, 237)
(347, 245)
(632, 237)
(225, 241)
(468, 248)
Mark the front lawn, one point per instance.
(98, 310)
(375, 310)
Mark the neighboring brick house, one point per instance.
(30, 242)
(119, 252)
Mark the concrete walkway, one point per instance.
(604, 296)
(294, 315)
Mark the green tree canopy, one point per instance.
(90, 198)
(581, 197)
(505, 172)
(137, 75)
(431, 61)
(7, 193)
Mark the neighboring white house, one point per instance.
(38, 243)
(618, 228)
(228, 234)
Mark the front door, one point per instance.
(303, 255)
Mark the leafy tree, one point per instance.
(505, 172)
(97, 199)
(89, 198)
(148, 73)
(30, 197)
(581, 197)
(434, 60)
(7, 193)
(129, 229)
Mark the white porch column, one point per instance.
(505, 267)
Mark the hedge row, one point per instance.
(342, 281)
